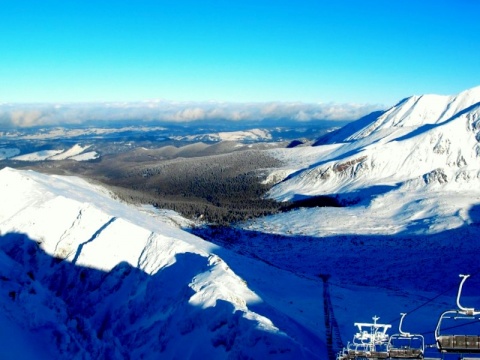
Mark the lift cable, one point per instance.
(423, 304)
(432, 299)
(453, 327)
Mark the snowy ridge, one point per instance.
(49, 133)
(38, 155)
(245, 135)
(76, 152)
(76, 259)
(421, 110)
(70, 153)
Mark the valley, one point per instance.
(218, 181)
(214, 183)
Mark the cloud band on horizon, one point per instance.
(31, 115)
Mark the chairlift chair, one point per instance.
(405, 345)
(344, 353)
(461, 343)
(370, 342)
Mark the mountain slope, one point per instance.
(89, 277)
(427, 140)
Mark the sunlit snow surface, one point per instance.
(83, 273)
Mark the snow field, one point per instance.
(103, 274)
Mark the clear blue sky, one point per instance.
(373, 51)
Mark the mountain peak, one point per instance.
(419, 110)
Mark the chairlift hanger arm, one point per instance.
(400, 326)
(468, 311)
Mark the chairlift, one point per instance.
(405, 345)
(461, 343)
(370, 342)
(344, 353)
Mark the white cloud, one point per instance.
(28, 115)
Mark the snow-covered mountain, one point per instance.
(424, 144)
(251, 135)
(77, 152)
(83, 276)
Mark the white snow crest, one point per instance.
(219, 282)
(92, 277)
(422, 110)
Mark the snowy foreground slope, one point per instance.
(83, 276)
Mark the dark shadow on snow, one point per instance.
(365, 196)
(123, 313)
(299, 201)
(103, 314)
(414, 267)
(360, 197)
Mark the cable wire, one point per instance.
(432, 299)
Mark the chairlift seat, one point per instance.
(378, 355)
(406, 353)
(353, 354)
(459, 343)
(346, 354)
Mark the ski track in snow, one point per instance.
(143, 255)
(65, 236)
